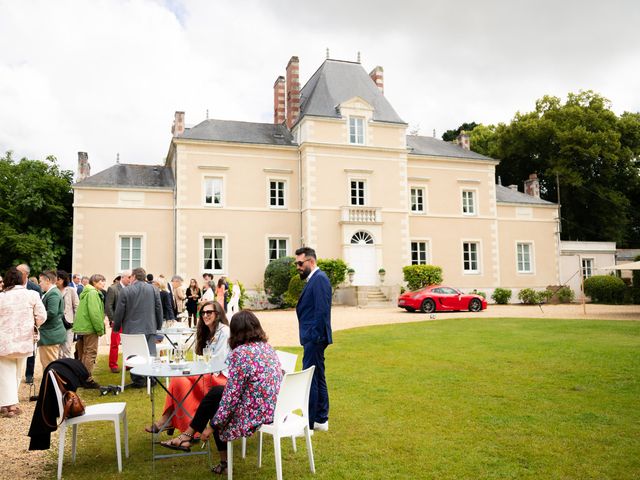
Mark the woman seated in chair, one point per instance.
(213, 332)
(249, 398)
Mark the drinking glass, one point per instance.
(206, 353)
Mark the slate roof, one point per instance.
(506, 195)
(127, 175)
(337, 81)
(240, 132)
(439, 148)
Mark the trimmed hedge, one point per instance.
(276, 279)
(336, 270)
(292, 295)
(420, 276)
(529, 296)
(565, 295)
(605, 289)
(501, 296)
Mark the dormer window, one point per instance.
(356, 130)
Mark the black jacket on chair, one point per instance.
(75, 374)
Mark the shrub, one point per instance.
(528, 296)
(482, 294)
(243, 293)
(292, 295)
(604, 289)
(419, 276)
(276, 278)
(565, 295)
(336, 270)
(501, 296)
(544, 296)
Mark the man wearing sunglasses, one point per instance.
(314, 320)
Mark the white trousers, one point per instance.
(10, 376)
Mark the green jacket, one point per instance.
(90, 313)
(52, 331)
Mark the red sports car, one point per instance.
(438, 298)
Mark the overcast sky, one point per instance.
(106, 76)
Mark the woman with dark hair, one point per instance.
(89, 325)
(20, 311)
(249, 398)
(213, 333)
(193, 295)
(71, 300)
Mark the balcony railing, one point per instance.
(355, 214)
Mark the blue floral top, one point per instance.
(249, 398)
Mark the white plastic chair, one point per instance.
(112, 412)
(135, 351)
(293, 396)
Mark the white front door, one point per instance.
(362, 258)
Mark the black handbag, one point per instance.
(66, 324)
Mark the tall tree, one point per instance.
(36, 211)
(451, 135)
(594, 153)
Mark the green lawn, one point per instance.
(490, 398)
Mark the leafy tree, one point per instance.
(276, 278)
(36, 208)
(451, 135)
(336, 270)
(594, 153)
(420, 276)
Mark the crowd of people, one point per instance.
(62, 310)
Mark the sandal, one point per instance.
(154, 428)
(181, 443)
(221, 468)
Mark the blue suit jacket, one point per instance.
(314, 310)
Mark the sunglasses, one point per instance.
(208, 312)
(300, 263)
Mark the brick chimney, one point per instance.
(293, 91)
(177, 128)
(464, 140)
(532, 186)
(84, 169)
(279, 115)
(377, 75)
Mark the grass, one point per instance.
(455, 399)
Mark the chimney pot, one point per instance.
(532, 186)
(293, 91)
(84, 169)
(279, 115)
(178, 124)
(513, 187)
(377, 75)
(464, 140)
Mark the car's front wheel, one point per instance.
(475, 305)
(428, 306)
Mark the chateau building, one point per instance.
(336, 171)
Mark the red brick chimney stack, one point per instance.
(279, 115)
(377, 75)
(178, 124)
(464, 140)
(532, 186)
(293, 91)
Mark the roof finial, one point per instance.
(358, 57)
(327, 53)
(434, 133)
(207, 114)
(118, 158)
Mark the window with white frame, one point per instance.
(130, 252)
(587, 267)
(213, 191)
(470, 260)
(468, 202)
(213, 254)
(358, 192)
(524, 253)
(277, 248)
(419, 253)
(277, 193)
(417, 200)
(356, 130)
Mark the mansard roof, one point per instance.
(506, 195)
(434, 147)
(240, 132)
(131, 176)
(337, 81)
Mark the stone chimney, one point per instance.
(532, 186)
(84, 169)
(178, 124)
(278, 101)
(464, 140)
(293, 91)
(377, 75)
(514, 187)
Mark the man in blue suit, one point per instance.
(314, 319)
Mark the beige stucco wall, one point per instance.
(603, 254)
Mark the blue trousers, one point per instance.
(319, 395)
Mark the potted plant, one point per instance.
(351, 272)
(381, 273)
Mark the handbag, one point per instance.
(66, 324)
(72, 404)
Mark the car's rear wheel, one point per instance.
(428, 306)
(475, 305)
(410, 309)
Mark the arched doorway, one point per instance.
(363, 258)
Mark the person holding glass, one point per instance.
(212, 336)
